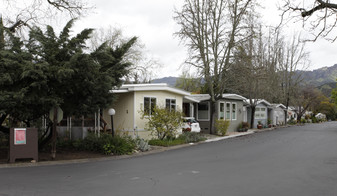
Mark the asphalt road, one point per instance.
(299, 160)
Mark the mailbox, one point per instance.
(23, 144)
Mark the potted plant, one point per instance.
(240, 128)
(186, 129)
(269, 123)
(245, 126)
(259, 125)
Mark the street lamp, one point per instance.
(112, 112)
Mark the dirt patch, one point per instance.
(60, 155)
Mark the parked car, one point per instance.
(190, 124)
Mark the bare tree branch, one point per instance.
(17, 15)
(319, 17)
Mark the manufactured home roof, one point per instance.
(233, 96)
(276, 105)
(258, 101)
(125, 88)
(205, 97)
(200, 97)
(189, 99)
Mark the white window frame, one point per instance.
(259, 112)
(224, 112)
(236, 111)
(175, 106)
(150, 103)
(208, 103)
(230, 111)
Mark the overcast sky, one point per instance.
(152, 21)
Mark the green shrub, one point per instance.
(166, 142)
(292, 121)
(105, 144)
(142, 144)
(243, 127)
(269, 121)
(108, 149)
(4, 141)
(119, 145)
(162, 122)
(221, 126)
(303, 120)
(191, 137)
(64, 143)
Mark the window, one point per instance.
(233, 111)
(222, 111)
(228, 111)
(171, 104)
(149, 105)
(203, 113)
(260, 113)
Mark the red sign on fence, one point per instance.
(19, 136)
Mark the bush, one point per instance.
(119, 145)
(166, 142)
(243, 127)
(292, 121)
(303, 121)
(105, 144)
(142, 145)
(221, 126)
(191, 137)
(163, 123)
(269, 121)
(4, 140)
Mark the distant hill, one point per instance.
(327, 88)
(171, 81)
(323, 78)
(320, 76)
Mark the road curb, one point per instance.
(163, 149)
(230, 136)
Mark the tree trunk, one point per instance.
(287, 106)
(299, 118)
(3, 118)
(212, 118)
(252, 117)
(53, 145)
(286, 115)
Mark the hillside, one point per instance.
(171, 81)
(320, 76)
(327, 88)
(323, 78)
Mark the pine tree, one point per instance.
(50, 71)
(21, 83)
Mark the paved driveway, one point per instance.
(299, 160)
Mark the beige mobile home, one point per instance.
(133, 98)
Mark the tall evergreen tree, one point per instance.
(50, 71)
(21, 83)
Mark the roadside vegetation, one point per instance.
(105, 144)
(123, 144)
(185, 138)
(163, 122)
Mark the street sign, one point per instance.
(59, 114)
